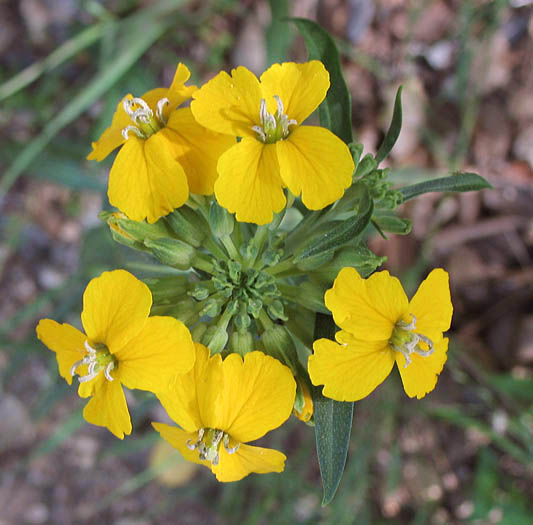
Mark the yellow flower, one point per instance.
(221, 405)
(379, 327)
(123, 346)
(276, 151)
(165, 153)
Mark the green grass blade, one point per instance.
(67, 50)
(136, 46)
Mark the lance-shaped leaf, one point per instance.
(336, 111)
(341, 232)
(394, 129)
(459, 182)
(333, 425)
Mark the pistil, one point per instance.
(145, 123)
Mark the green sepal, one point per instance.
(341, 232)
(241, 342)
(358, 257)
(172, 252)
(356, 149)
(167, 289)
(278, 343)
(187, 225)
(221, 221)
(335, 112)
(333, 425)
(394, 129)
(307, 294)
(392, 224)
(367, 165)
(458, 182)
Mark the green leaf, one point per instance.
(457, 182)
(336, 110)
(392, 224)
(341, 232)
(394, 129)
(333, 425)
(278, 33)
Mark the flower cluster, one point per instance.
(257, 216)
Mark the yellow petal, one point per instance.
(115, 307)
(369, 308)
(247, 459)
(108, 408)
(66, 341)
(258, 396)
(145, 180)
(191, 401)
(112, 137)
(432, 304)
(229, 104)
(160, 351)
(317, 164)
(178, 91)
(196, 148)
(249, 183)
(301, 87)
(349, 372)
(178, 439)
(420, 376)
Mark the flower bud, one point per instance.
(279, 344)
(167, 289)
(241, 342)
(303, 403)
(187, 225)
(220, 221)
(172, 252)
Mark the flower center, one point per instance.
(273, 127)
(97, 359)
(407, 342)
(145, 123)
(208, 444)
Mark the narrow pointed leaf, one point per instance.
(459, 182)
(278, 33)
(333, 425)
(341, 232)
(336, 110)
(394, 130)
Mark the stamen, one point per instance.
(159, 111)
(75, 365)
(280, 112)
(89, 348)
(107, 371)
(260, 132)
(135, 129)
(429, 342)
(231, 450)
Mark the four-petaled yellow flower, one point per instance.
(221, 405)
(123, 346)
(379, 327)
(275, 150)
(165, 153)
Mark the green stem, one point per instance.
(265, 320)
(230, 247)
(282, 266)
(202, 263)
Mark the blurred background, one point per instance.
(464, 454)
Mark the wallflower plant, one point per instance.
(256, 222)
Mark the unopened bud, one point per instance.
(279, 344)
(172, 252)
(187, 225)
(220, 221)
(241, 342)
